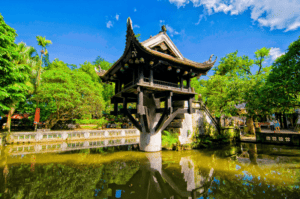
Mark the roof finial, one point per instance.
(129, 22)
(163, 28)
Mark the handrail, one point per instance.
(164, 83)
(217, 125)
(127, 85)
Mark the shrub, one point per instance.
(169, 139)
(101, 122)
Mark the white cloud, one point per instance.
(276, 14)
(136, 26)
(161, 22)
(172, 31)
(200, 18)
(117, 17)
(179, 3)
(275, 52)
(134, 10)
(293, 26)
(109, 24)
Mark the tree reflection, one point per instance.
(242, 171)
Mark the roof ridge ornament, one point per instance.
(209, 61)
(163, 29)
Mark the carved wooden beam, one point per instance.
(129, 95)
(132, 111)
(159, 110)
(128, 114)
(182, 97)
(162, 94)
(167, 111)
(172, 116)
(120, 100)
(146, 120)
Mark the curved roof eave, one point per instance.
(130, 37)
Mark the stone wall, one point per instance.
(196, 123)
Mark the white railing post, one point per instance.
(123, 133)
(86, 135)
(106, 134)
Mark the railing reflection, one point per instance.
(67, 146)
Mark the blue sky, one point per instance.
(82, 30)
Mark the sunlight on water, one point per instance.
(241, 171)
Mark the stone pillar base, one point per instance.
(150, 142)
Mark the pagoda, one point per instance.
(153, 74)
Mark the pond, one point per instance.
(237, 171)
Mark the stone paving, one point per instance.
(281, 131)
(253, 139)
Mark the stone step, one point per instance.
(179, 116)
(175, 125)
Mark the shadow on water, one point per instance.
(239, 171)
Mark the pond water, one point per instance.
(238, 171)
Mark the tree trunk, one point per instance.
(249, 123)
(9, 115)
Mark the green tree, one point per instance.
(43, 42)
(108, 89)
(14, 73)
(234, 83)
(105, 65)
(65, 93)
(282, 89)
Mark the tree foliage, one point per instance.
(281, 91)
(13, 76)
(14, 71)
(234, 82)
(66, 93)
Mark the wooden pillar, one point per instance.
(141, 74)
(140, 102)
(188, 84)
(168, 102)
(190, 109)
(151, 77)
(115, 107)
(181, 82)
(133, 77)
(117, 87)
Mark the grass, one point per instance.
(88, 127)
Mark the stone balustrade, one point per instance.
(291, 138)
(21, 149)
(48, 136)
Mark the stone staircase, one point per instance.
(177, 121)
(185, 123)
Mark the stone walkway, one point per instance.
(253, 139)
(281, 131)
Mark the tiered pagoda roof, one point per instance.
(159, 47)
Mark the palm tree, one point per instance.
(43, 43)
